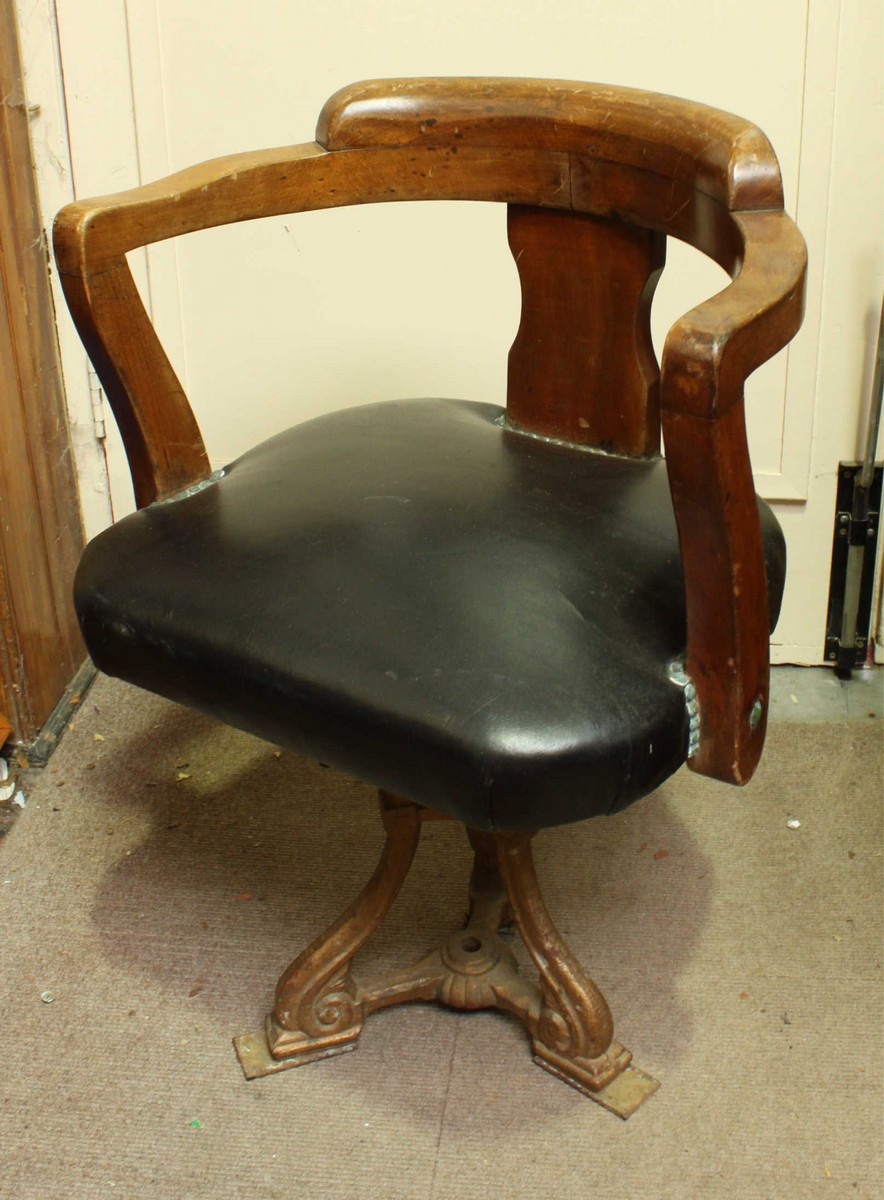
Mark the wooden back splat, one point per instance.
(582, 368)
(595, 177)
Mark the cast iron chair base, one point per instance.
(320, 1008)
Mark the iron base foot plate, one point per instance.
(256, 1060)
(622, 1096)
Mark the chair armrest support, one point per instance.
(712, 350)
(708, 355)
(92, 238)
(160, 434)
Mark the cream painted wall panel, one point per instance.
(410, 300)
(850, 263)
(49, 140)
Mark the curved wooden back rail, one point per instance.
(594, 176)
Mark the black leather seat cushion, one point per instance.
(471, 617)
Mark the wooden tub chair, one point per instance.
(509, 618)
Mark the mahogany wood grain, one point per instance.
(663, 165)
(725, 589)
(267, 183)
(671, 206)
(708, 355)
(720, 154)
(582, 368)
(161, 437)
(711, 351)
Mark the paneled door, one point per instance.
(40, 534)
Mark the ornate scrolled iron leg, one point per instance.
(318, 1010)
(573, 1032)
(489, 905)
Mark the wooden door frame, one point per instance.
(40, 527)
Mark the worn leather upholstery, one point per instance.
(469, 616)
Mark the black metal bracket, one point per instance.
(852, 581)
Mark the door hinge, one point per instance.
(96, 395)
(852, 582)
(855, 541)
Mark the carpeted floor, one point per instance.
(166, 869)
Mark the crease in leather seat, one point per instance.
(479, 619)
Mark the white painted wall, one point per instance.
(49, 139)
(319, 311)
(847, 277)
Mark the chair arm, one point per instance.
(162, 440)
(707, 357)
(721, 155)
(92, 237)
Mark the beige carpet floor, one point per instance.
(165, 870)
